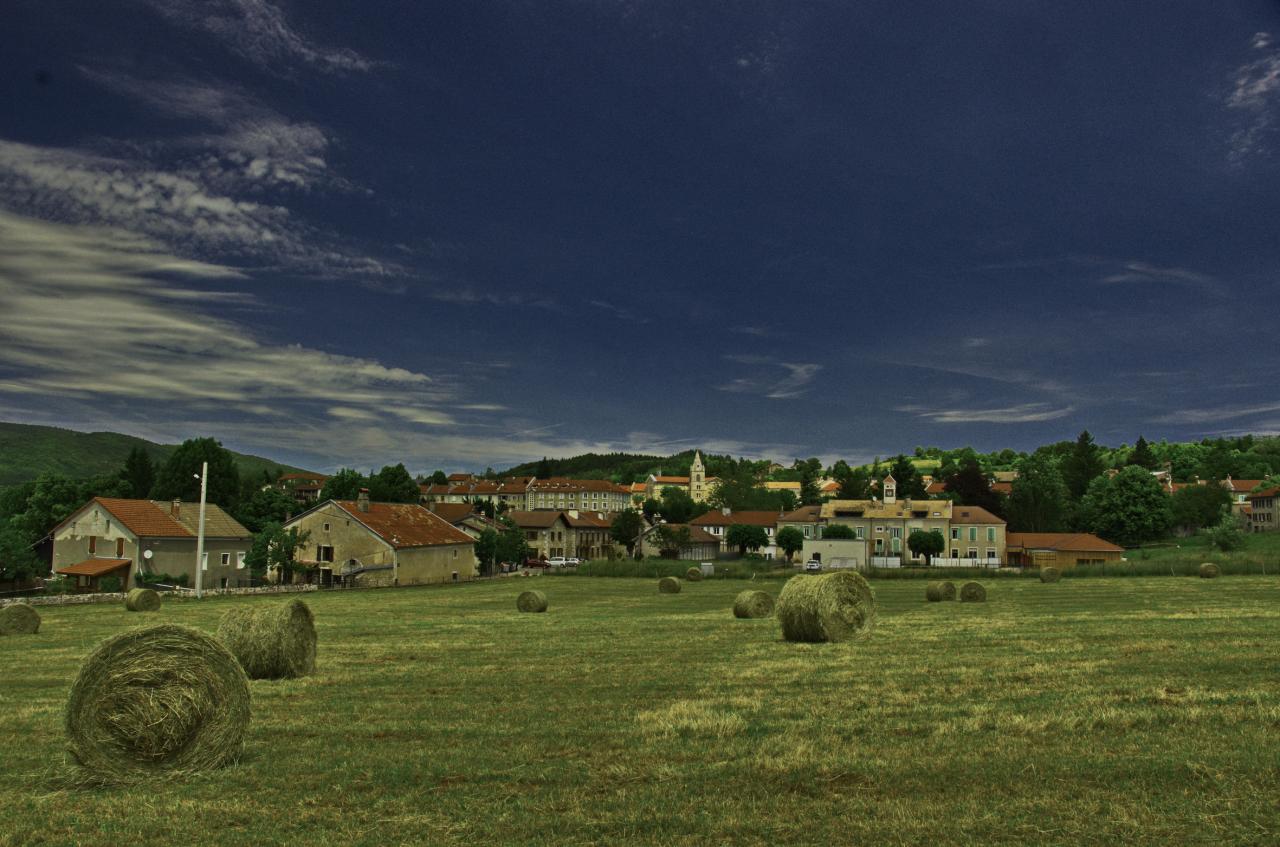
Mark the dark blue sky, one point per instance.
(470, 234)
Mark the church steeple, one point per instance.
(698, 478)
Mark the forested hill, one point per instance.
(619, 467)
(27, 451)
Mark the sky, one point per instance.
(461, 235)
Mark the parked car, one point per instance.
(813, 566)
(557, 562)
(572, 562)
(535, 563)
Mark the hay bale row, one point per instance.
(142, 600)
(531, 601)
(162, 699)
(752, 604)
(668, 585)
(693, 574)
(271, 641)
(973, 592)
(1209, 570)
(19, 619)
(1050, 574)
(831, 607)
(936, 592)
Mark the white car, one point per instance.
(813, 565)
(557, 561)
(572, 562)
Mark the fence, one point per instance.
(937, 562)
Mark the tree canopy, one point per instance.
(1127, 509)
(179, 477)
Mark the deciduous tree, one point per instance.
(790, 540)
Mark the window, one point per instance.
(324, 553)
(955, 533)
(240, 560)
(806, 532)
(204, 561)
(119, 548)
(991, 533)
(879, 530)
(991, 554)
(897, 544)
(861, 533)
(226, 558)
(93, 544)
(897, 532)
(326, 527)
(973, 552)
(973, 533)
(455, 554)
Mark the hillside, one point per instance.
(619, 467)
(27, 451)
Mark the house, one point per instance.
(564, 533)
(589, 534)
(886, 524)
(303, 487)
(976, 534)
(793, 486)
(1059, 549)
(717, 523)
(697, 484)
(513, 492)
(464, 517)
(594, 495)
(1263, 510)
(1240, 490)
(371, 544)
(116, 537)
(807, 519)
(701, 546)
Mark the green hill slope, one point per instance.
(27, 451)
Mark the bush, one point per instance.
(1227, 535)
(57, 585)
(109, 585)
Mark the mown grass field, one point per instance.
(1093, 711)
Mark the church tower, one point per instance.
(698, 478)
(890, 489)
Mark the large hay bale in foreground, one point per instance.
(1209, 570)
(142, 600)
(933, 592)
(973, 592)
(668, 585)
(531, 601)
(752, 604)
(19, 619)
(1050, 574)
(271, 642)
(831, 607)
(160, 700)
(693, 574)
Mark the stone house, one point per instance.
(701, 547)
(1264, 510)
(370, 544)
(717, 523)
(110, 536)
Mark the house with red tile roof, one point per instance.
(117, 537)
(1060, 549)
(368, 544)
(1264, 509)
(717, 523)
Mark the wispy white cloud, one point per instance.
(620, 312)
(1138, 272)
(793, 382)
(258, 31)
(1024, 413)
(1255, 94)
(1216, 413)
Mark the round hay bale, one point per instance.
(142, 600)
(668, 585)
(973, 592)
(271, 641)
(1050, 574)
(161, 699)
(531, 601)
(831, 607)
(933, 592)
(948, 590)
(752, 604)
(693, 574)
(1209, 570)
(19, 619)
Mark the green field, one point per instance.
(1093, 711)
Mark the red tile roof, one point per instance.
(973, 515)
(805, 514)
(152, 519)
(559, 483)
(452, 512)
(290, 477)
(539, 519)
(672, 480)
(717, 518)
(588, 520)
(95, 567)
(1273, 491)
(1243, 486)
(1081, 541)
(459, 477)
(405, 524)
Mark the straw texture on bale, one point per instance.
(142, 600)
(973, 592)
(271, 641)
(948, 590)
(531, 601)
(832, 607)
(19, 619)
(933, 592)
(160, 700)
(1050, 574)
(1209, 570)
(668, 585)
(693, 574)
(752, 604)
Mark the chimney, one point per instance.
(175, 508)
(362, 502)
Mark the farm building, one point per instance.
(378, 544)
(1059, 549)
(701, 546)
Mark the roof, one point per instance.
(805, 514)
(95, 567)
(154, 519)
(538, 519)
(405, 524)
(1081, 541)
(880, 509)
(974, 514)
(452, 512)
(587, 519)
(697, 535)
(559, 483)
(290, 477)
(784, 485)
(672, 480)
(459, 477)
(1273, 491)
(1242, 486)
(717, 518)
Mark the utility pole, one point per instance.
(204, 483)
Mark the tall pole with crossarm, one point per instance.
(204, 483)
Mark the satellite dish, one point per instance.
(146, 554)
